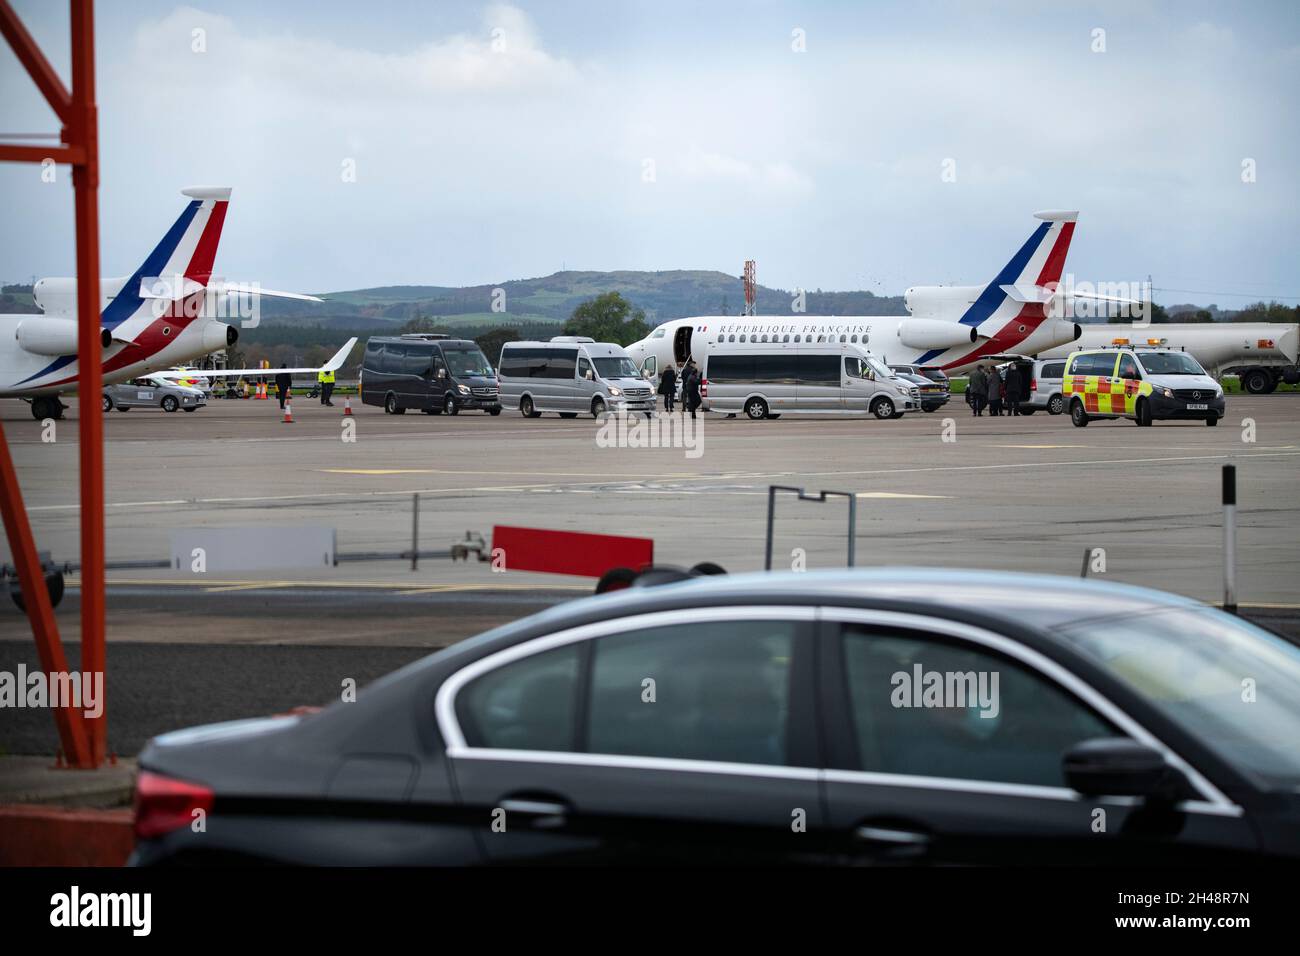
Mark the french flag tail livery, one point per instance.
(183, 257)
(1033, 271)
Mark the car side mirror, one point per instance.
(442, 373)
(1121, 767)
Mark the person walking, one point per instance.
(977, 387)
(691, 387)
(283, 381)
(1013, 389)
(668, 387)
(994, 392)
(325, 378)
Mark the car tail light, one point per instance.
(164, 804)
(704, 388)
(1033, 384)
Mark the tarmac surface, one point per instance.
(1020, 494)
(1017, 494)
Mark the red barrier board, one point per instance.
(570, 552)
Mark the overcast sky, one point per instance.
(495, 141)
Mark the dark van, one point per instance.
(430, 372)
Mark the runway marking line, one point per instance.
(895, 494)
(1040, 446)
(376, 471)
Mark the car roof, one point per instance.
(1040, 601)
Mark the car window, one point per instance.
(1199, 668)
(1054, 370)
(931, 707)
(1128, 367)
(528, 704)
(694, 691)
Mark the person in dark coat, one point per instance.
(691, 387)
(1013, 390)
(977, 388)
(668, 387)
(283, 381)
(995, 392)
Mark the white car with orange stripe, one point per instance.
(1142, 384)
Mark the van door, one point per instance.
(818, 378)
(587, 385)
(855, 387)
(436, 382)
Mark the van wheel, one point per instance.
(1027, 411)
(450, 405)
(391, 406)
(1055, 405)
(169, 403)
(1143, 413)
(108, 404)
(756, 409)
(568, 414)
(1078, 415)
(883, 409)
(526, 408)
(598, 409)
(1212, 420)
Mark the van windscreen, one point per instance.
(615, 367)
(467, 361)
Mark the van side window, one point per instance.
(584, 369)
(1128, 367)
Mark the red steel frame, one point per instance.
(83, 738)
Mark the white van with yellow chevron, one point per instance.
(1141, 384)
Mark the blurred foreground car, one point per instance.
(902, 716)
(149, 392)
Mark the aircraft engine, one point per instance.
(45, 336)
(935, 334)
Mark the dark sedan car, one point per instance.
(845, 717)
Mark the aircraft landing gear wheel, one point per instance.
(1078, 416)
(47, 406)
(756, 409)
(1144, 413)
(53, 586)
(1055, 405)
(883, 409)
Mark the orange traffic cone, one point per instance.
(288, 413)
(347, 406)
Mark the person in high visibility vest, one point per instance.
(326, 380)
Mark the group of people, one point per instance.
(1000, 393)
(690, 379)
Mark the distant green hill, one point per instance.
(552, 299)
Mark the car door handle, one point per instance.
(538, 812)
(892, 836)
